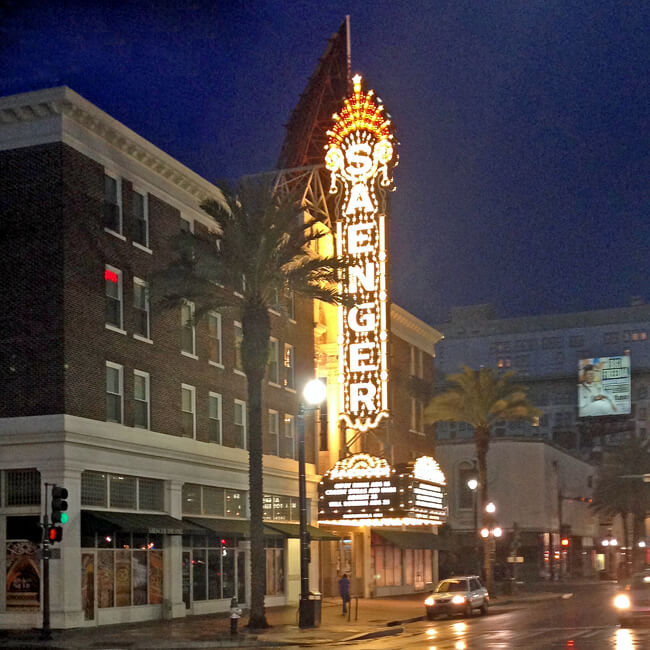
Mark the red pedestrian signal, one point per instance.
(565, 541)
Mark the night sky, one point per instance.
(524, 169)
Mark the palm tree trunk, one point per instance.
(256, 330)
(482, 439)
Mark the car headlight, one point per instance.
(622, 601)
(429, 601)
(458, 600)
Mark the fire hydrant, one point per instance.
(235, 613)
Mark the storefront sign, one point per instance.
(360, 157)
(363, 490)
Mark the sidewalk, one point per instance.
(376, 617)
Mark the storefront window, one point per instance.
(274, 567)
(199, 574)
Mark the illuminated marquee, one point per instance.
(364, 490)
(360, 157)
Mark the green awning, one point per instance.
(412, 539)
(228, 527)
(293, 530)
(133, 522)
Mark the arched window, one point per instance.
(466, 471)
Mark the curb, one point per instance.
(389, 631)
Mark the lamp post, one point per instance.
(490, 533)
(472, 484)
(313, 395)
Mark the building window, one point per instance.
(141, 309)
(113, 291)
(186, 225)
(214, 338)
(239, 420)
(289, 442)
(610, 338)
(551, 343)
(274, 431)
(188, 329)
(214, 418)
(123, 491)
(576, 341)
(274, 301)
(239, 337)
(151, 494)
(126, 492)
(113, 204)
(280, 508)
(141, 399)
(215, 501)
(140, 219)
(114, 392)
(23, 487)
(94, 489)
(188, 408)
(291, 305)
(417, 409)
(274, 362)
(235, 503)
(466, 471)
(289, 366)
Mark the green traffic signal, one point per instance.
(59, 505)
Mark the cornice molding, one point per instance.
(64, 104)
(413, 330)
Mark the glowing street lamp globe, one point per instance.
(485, 533)
(472, 484)
(314, 392)
(497, 532)
(491, 508)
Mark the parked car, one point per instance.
(458, 595)
(633, 600)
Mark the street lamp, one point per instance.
(472, 484)
(313, 395)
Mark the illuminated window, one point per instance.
(274, 432)
(239, 421)
(141, 399)
(289, 366)
(289, 447)
(114, 392)
(141, 309)
(113, 291)
(113, 204)
(188, 328)
(214, 418)
(274, 362)
(140, 219)
(188, 411)
(235, 503)
(214, 338)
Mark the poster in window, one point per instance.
(155, 577)
(23, 575)
(88, 585)
(122, 578)
(139, 577)
(105, 586)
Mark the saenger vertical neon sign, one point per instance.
(360, 157)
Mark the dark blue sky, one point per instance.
(524, 169)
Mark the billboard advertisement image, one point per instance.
(604, 386)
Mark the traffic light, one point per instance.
(55, 534)
(565, 542)
(59, 505)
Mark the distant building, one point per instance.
(545, 352)
(541, 494)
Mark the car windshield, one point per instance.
(451, 585)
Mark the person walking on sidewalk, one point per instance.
(344, 590)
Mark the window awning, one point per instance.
(133, 522)
(293, 530)
(227, 527)
(412, 539)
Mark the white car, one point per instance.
(458, 595)
(633, 601)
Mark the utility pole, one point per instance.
(46, 632)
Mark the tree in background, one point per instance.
(481, 398)
(620, 491)
(258, 249)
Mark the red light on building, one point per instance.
(111, 276)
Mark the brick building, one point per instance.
(138, 412)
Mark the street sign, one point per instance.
(515, 559)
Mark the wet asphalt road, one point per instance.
(585, 621)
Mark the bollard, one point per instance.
(235, 613)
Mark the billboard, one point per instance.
(604, 386)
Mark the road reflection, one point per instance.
(624, 639)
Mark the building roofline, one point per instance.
(411, 329)
(48, 103)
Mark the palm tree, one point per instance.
(620, 491)
(481, 398)
(260, 247)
